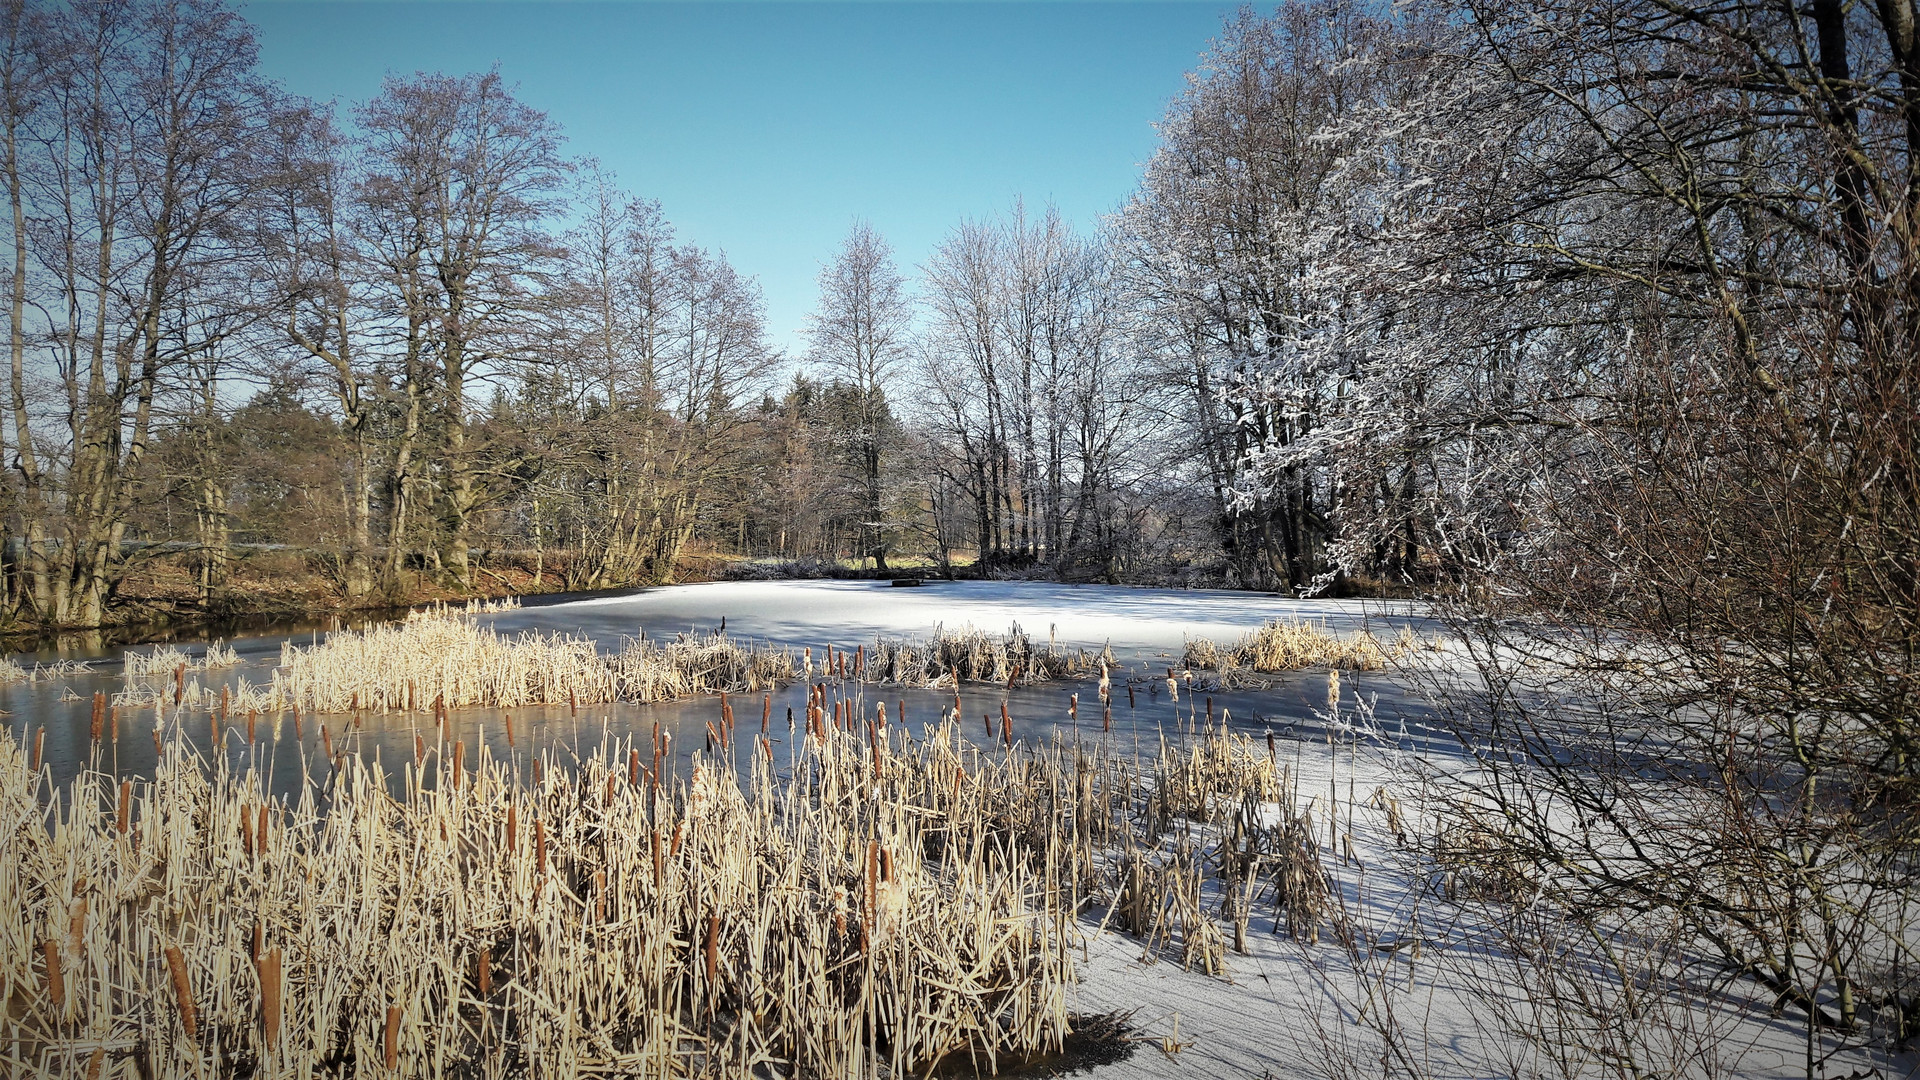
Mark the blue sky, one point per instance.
(766, 129)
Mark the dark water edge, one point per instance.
(82, 644)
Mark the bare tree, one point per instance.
(859, 332)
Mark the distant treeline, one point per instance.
(1400, 290)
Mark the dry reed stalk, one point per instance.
(270, 997)
(182, 991)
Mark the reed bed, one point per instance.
(439, 661)
(647, 670)
(443, 660)
(871, 915)
(871, 906)
(168, 660)
(1282, 646)
(12, 672)
(951, 657)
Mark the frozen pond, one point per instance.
(1146, 628)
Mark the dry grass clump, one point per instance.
(1207, 779)
(1292, 645)
(166, 660)
(446, 661)
(951, 657)
(648, 670)
(890, 905)
(440, 660)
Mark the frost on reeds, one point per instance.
(889, 904)
(167, 660)
(1280, 646)
(446, 660)
(951, 657)
(12, 672)
(647, 670)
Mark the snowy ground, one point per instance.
(1290, 1008)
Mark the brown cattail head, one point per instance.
(1073, 707)
(573, 702)
(297, 733)
(483, 972)
(246, 833)
(182, 990)
(259, 940)
(252, 715)
(391, 1044)
(513, 826)
(327, 738)
(459, 763)
(56, 985)
(40, 745)
(1130, 703)
(766, 712)
(713, 947)
(123, 815)
(99, 715)
(1106, 718)
(540, 845)
(270, 995)
(633, 767)
(95, 1062)
(419, 749)
(509, 719)
(260, 835)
